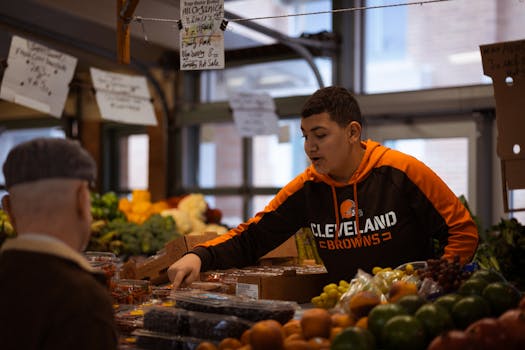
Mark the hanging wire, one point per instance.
(351, 9)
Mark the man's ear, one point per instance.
(354, 131)
(6, 204)
(83, 201)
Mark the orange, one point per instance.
(319, 343)
(400, 289)
(229, 343)
(362, 322)
(297, 345)
(245, 337)
(316, 322)
(206, 345)
(362, 302)
(294, 336)
(291, 327)
(342, 320)
(335, 331)
(267, 334)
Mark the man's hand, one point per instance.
(185, 270)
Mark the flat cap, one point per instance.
(46, 158)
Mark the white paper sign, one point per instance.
(123, 98)
(37, 76)
(201, 38)
(254, 114)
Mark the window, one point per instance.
(434, 45)
(133, 162)
(447, 147)
(11, 138)
(241, 176)
(278, 78)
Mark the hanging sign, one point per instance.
(37, 76)
(201, 38)
(123, 98)
(254, 114)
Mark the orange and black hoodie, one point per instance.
(388, 213)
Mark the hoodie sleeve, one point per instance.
(245, 244)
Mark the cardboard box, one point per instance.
(289, 286)
(286, 250)
(155, 268)
(505, 63)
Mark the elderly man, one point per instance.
(50, 298)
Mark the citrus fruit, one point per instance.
(411, 302)
(487, 275)
(354, 338)
(473, 286)
(266, 334)
(297, 345)
(403, 332)
(501, 297)
(380, 314)
(316, 322)
(291, 327)
(342, 320)
(447, 301)
(362, 302)
(229, 343)
(469, 309)
(400, 289)
(319, 343)
(436, 319)
(206, 345)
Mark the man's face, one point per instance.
(327, 145)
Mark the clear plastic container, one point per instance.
(182, 322)
(161, 341)
(249, 309)
(127, 291)
(106, 262)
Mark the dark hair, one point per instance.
(337, 101)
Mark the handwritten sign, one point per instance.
(37, 76)
(505, 59)
(123, 98)
(254, 114)
(201, 38)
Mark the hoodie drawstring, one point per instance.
(336, 209)
(356, 212)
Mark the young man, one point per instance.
(367, 205)
(49, 296)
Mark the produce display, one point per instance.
(6, 229)
(137, 226)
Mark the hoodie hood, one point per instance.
(373, 153)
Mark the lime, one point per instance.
(473, 286)
(436, 319)
(469, 309)
(501, 297)
(487, 275)
(411, 302)
(380, 314)
(403, 332)
(447, 301)
(353, 338)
